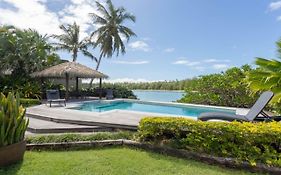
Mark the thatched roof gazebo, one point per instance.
(69, 70)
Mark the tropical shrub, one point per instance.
(118, 91)
(245, 141)
(27, 102)
(80, 137)
(267, 77)
(13, 123)
(159, 85)
(26, 87)
(225, 89)
(24, 52)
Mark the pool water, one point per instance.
(192, 111)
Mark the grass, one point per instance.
(110, 161)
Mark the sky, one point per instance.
(176, 39)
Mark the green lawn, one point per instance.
(110, 161)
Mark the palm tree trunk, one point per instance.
(97, 67)
(74, 55)
(98, 63)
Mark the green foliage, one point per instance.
(118, 91)
(23, 52)
(80, 137)
(252, 142)
(267, 77)
(225, 89)
(26, 102)
(111, 22)
(70, 41)
(160, 85)
(12, 120)
(26, 87)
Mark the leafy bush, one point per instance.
(267, 77)
(12, 120)
(225, 89)
(79, 137)
(118, 91)
(252, 142)
(24, 51)
(26, 102)
(26, 87)
(159, 85)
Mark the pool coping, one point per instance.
(175, 104)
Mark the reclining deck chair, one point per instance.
(252, 115)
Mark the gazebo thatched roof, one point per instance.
(72, 69)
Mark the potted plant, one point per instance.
(13, 125)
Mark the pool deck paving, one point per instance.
(43, 126)
(55, 119)
(112, 119)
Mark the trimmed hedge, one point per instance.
(26, 102)
(251, 142)
(62, 138)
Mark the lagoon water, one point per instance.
(155, 95)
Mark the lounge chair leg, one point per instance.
(50, 104)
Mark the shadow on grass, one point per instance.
(11, 169)
(194, 162)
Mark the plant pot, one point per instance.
(12, 153)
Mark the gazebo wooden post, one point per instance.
(100, 88)
(77, 90)
(41, 86)
(66, 86)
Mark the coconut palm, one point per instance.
(111, 29)
(70, 41)
(267, 76)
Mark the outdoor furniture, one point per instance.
(252, 115)
(54, 96)
(70, 70)
(109, 94)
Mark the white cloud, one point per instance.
(274, 5)
(131, 62)
(78, 11)
(278, 18)
(30, 14)
(140, 45)
(35, 14)
(169, 50)
(215, 61)
(204, 64)
(183, 61)
(220, 66)
(200, 68)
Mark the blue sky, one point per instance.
(176, 39)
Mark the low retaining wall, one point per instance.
(225, 162)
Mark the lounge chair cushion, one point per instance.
(221, 116)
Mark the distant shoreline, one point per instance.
(151, 90)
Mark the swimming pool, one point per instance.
(179, 110)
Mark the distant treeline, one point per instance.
(160, 85)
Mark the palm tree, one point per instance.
(267, 76)
(70, 42)
(111, 29)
